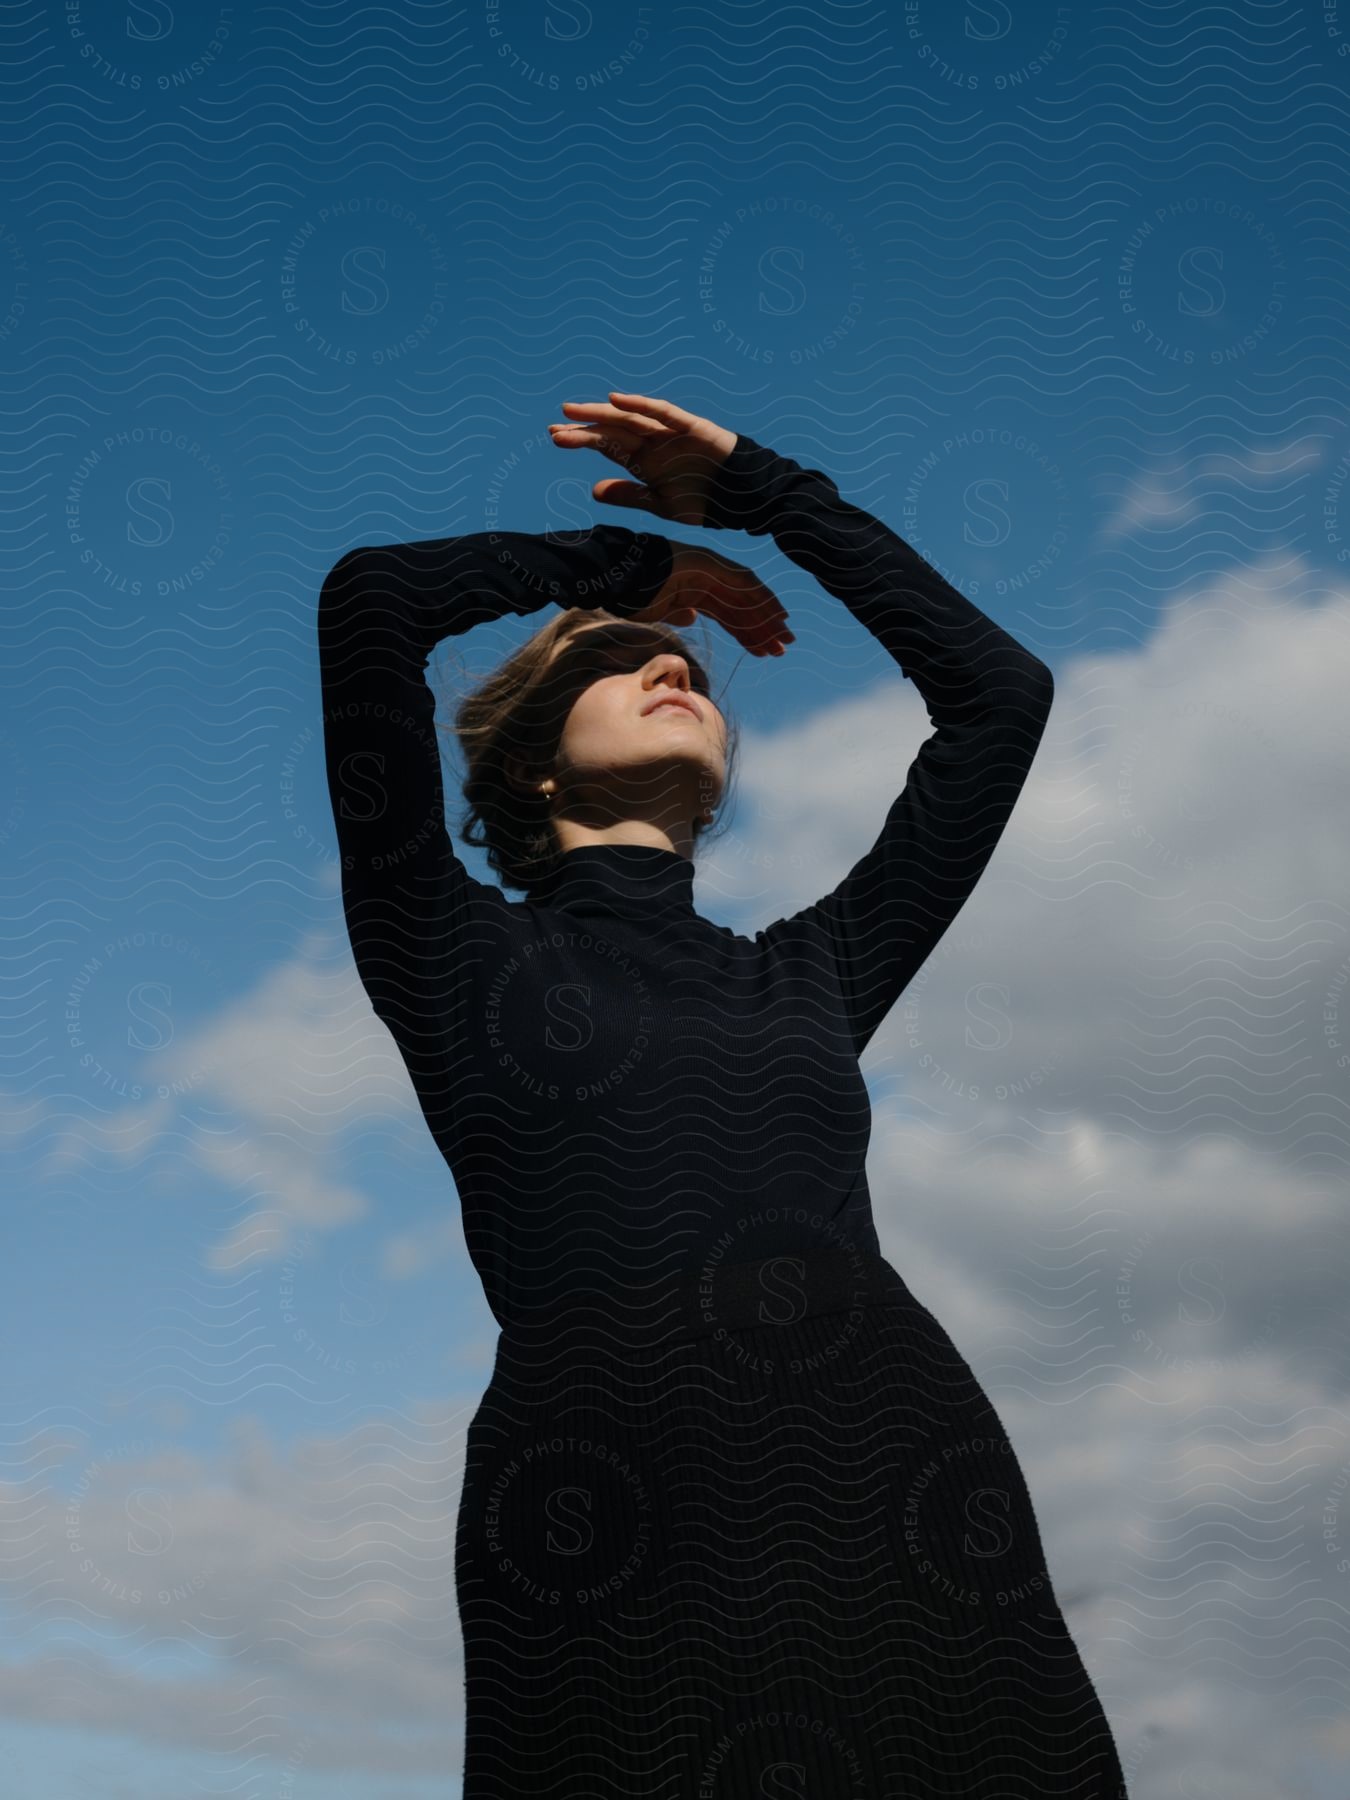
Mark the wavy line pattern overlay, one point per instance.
(1059, 292)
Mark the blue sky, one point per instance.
(1059, 293)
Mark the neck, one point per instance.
(571, 834)
(619, 880)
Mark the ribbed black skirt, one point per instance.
(767, 1537)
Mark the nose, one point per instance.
(669, 665)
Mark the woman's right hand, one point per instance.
(708, 583)
(673, 453)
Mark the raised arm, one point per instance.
(407, 897)
(988, 697)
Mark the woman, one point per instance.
(737, 1518)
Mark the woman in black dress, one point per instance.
(737, 1518)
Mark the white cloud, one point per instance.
(416, 1249)
(1172, 493)
(1151, 500)
(316, 1588)
(287, 1067)
(1156, 944)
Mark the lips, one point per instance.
(679, 700)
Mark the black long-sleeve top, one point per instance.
(622, 1089)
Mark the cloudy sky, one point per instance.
(1057, 292)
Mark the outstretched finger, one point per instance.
(600, 412)
(622, 451)
(760, 604)
(754, 631)
(597, 437)
(626, 493)
(665, 411)
(771, 634)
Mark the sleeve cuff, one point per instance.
(738, 494)
(635, 576)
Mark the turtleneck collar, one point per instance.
(627, 881)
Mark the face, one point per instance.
(626, 731)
